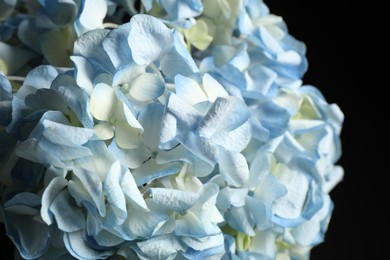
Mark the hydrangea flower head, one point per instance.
(184, 133)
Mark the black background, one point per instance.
(344, 47)
(344, 41)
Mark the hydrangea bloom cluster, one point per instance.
(184, 133)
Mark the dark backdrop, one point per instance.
(346, 62)
(346, 57)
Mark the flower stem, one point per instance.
(110, 26)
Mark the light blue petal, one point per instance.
(184, 63)
(143, 223)
(100, 162)
(84, 73)
(61, 134)
(201, 244)
(235, 140)
(150, 171)
(261, 80)
(205, 208)
(23, 203)
(132, 192)
(189, 90)
(261, 215)
(14, 57)
(90, 16)
(178, 10)
(115, 44)
(19, 108)
(93, 188)
(303, 199)
(226, 114)
(228, 197)
(68, 216)
(160, 247)
(107, 239)
(41, 77)
(195, 165)
(149, 39)
(30, 237)
(49, 142)
(146, 87)
(203, 148)
(150, 118)
(60, 12)
(113, 191)
(79, 248)
(210, 253)
(89, 45)
(48, 196)
(94, 223)
(241, 220)
(179, 117)
(191, 225)
(233, 167)
(312, 231)
(76, 98)
(28, 34)
(272, 117)
(45, 99)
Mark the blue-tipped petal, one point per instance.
(150, 171)
(79, 248)
(49, 195)
(68, 216)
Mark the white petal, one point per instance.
(212, 88)
(176, 200)
(103, 102)
(291, 205)
(233, 167)
(126, 136)
(132, 192)
(189, 90)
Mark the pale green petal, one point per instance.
(104, 131)
(198, 35)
